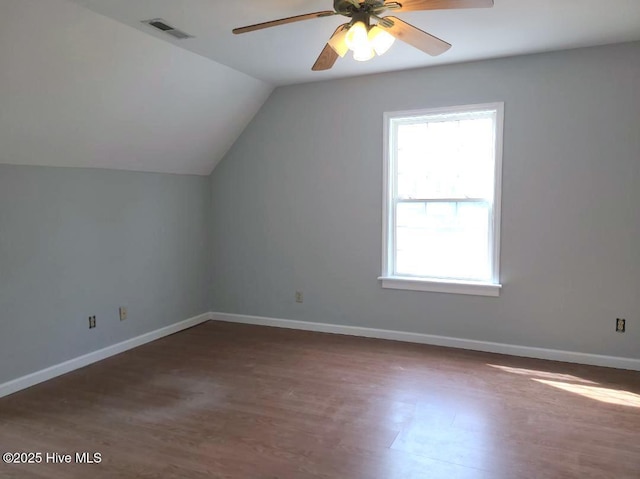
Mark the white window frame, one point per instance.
(387, 278)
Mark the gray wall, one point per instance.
(296, 203)
(77, 242)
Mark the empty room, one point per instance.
(351, 239)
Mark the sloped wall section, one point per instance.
(79, 89)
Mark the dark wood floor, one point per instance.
(235, 401)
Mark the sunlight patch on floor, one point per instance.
(542, 374)
(606, 395)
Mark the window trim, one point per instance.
(388, 280)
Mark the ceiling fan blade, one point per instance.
(411, 5)
(414, 36)
(325, 61)
(283, 21)
(328, 55)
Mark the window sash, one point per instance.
(489, 253)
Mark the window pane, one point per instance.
(446, 159)
(443, 240)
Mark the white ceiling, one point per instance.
(81, 90)
(284, 54)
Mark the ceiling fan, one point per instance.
(366, 39)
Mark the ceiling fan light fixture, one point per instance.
(380, 40)
(357, 37)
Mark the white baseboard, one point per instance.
(500, 348)
(82, 361)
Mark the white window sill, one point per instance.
(441, 286)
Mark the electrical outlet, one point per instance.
(92, 322)
(123, 313)
(299, 297)
(621, 325)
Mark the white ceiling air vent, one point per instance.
(160, 24)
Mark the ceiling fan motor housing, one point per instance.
(348, 7)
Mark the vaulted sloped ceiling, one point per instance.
(78, 89)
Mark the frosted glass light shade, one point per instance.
(338, 43)
(380, 40)
(356, 38)
(363, 54)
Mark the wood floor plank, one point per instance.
(227, 400)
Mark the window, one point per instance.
(442, 200)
